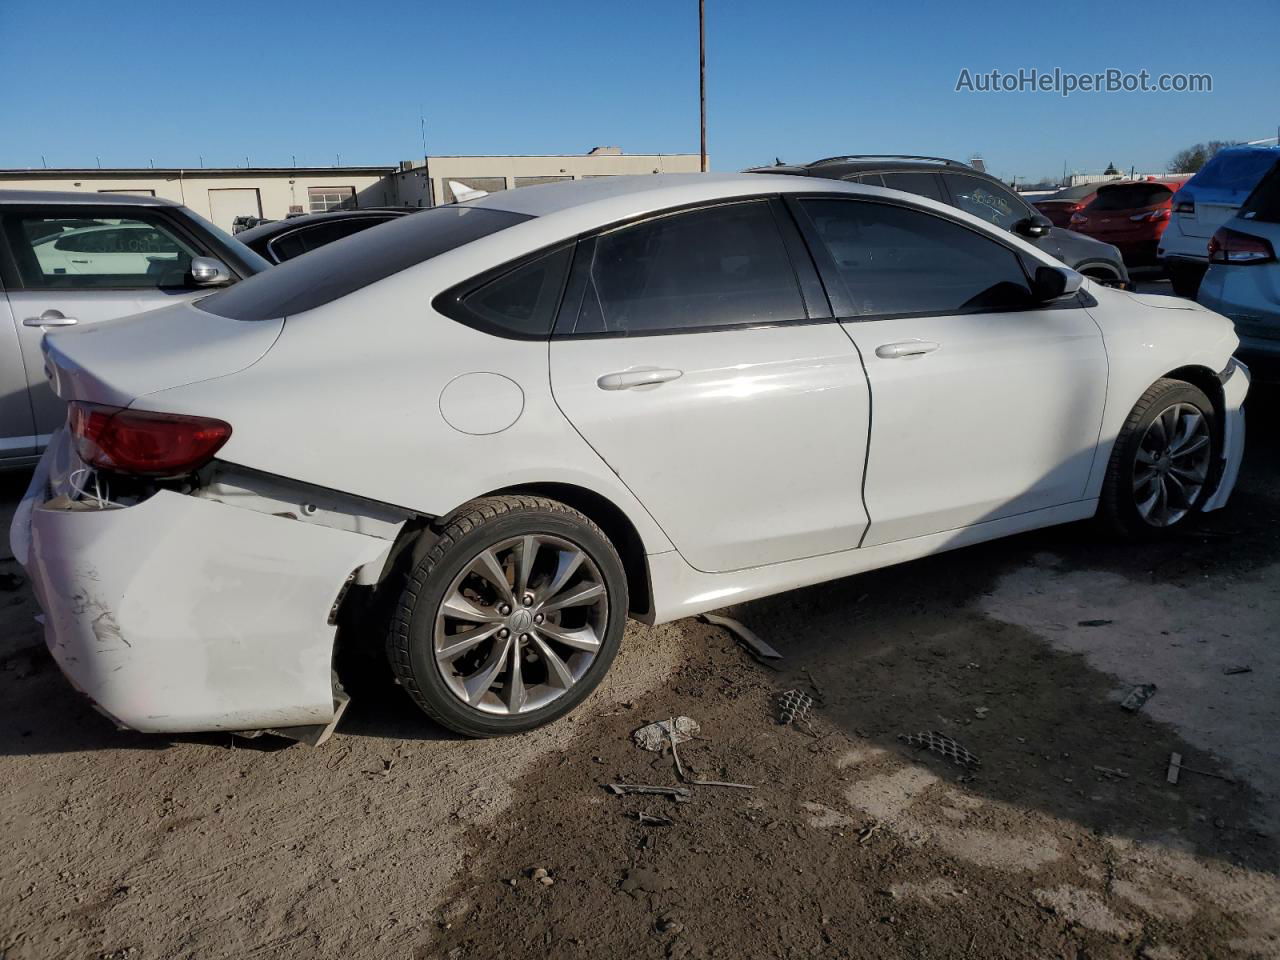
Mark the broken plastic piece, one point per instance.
(678, 794)
(753, 644)
(1136, 697)
(793, 706)
(941, 745)
(657, 735)
(1232, 671)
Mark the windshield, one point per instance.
(1130, 196)
(347, 265)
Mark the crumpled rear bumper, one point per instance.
(184, 614)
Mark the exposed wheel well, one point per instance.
(616, 526)
(1206, 380)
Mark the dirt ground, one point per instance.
(396, 840)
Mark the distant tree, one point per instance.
(1196, 156)
(1111, 171)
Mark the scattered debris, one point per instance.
(655, 736)
(1111, 772)
(675, 755)
(750, 642)
(1232, 671)
(1094, 623)
(866, 833)
(1136, 697)
(793, 706)
(1176, 764)
(678, 794)
(814, 684)
(942, 745)
(650, 820)
(981, 712)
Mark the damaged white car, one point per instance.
(495, 430)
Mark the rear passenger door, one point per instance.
(696, 353)
(985, 404)
(77, 265)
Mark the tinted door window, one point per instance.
(896, 261)
(1264, 203)
(986, 200)
(921, 184)
(136, 252)
(712, 267)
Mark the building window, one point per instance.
(322, 199)
(487, 184)
(534, 181)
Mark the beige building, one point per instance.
(420, 186)
(223, 194)
(274, 193)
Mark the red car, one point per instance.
(1131, 215)
(1059, 207)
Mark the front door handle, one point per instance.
(642, 377)
(905, 348)
(50, 318)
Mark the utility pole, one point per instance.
(702, 77)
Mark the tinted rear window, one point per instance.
(1132, 196)
(340, 268)
(1235, 171)
(1264, 203)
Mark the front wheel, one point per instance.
(1162, 464)
(511, 617)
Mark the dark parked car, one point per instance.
(975, 192)
(1059, 206)
(281, 240)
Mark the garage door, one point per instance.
(225, 204)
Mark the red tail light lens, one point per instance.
(141, 442)
(1232, 246)
(1151, 216)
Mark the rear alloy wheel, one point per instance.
(1163, 462)
(511, 618)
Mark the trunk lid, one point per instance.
(117, 361)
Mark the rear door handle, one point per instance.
(643, 377)
(50, 318)
(905, 348)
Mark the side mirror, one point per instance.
(1033, 228)
(209, 272)
(1055, 283)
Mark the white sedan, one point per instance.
(484, 435)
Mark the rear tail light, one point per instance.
(141, 442)
(1151, 216)
(1232, 246)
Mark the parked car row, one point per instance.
(484, 435)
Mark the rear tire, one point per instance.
(1163, 464)
(510, 618)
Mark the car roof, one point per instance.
(839, 167)
(272, 227)
(38, 197)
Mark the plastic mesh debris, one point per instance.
(942, 745)
(793, 706)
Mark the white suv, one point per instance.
(1206, 202)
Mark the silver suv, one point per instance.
(78, 258)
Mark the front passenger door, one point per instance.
(986, 405)
(696, 353)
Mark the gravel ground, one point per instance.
(396, 840)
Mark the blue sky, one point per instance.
(133, 82)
